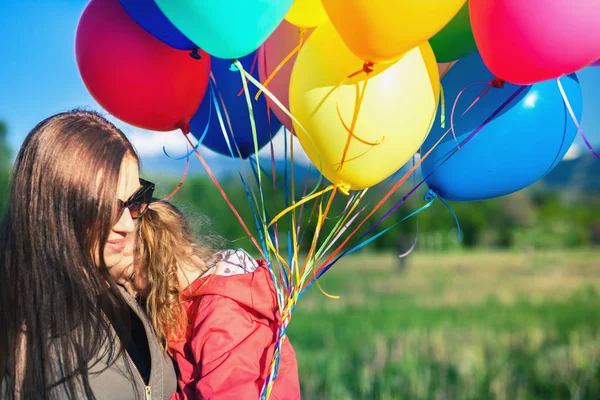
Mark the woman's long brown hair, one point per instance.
(55, 296)
(165, 243)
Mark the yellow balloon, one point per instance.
(396, 113)
(306, 13)
(381, 31)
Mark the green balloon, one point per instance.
(456, 39)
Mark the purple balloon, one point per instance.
(595, 63)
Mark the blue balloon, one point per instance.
(515, 149)
(229, 85)
(147, 14)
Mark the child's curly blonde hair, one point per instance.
(166, 244)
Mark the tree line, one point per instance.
(532, 218)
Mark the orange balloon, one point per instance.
(381, 31)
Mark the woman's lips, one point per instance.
(117, 246)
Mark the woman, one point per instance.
(68, 329)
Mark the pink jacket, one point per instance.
(230, 340)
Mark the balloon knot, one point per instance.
(233, 67)
(302, 31)
(368, 67)
(344, 189)
(195, 55)
(185, 128)
(497, 83)
(430, 195)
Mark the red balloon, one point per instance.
(134, 76)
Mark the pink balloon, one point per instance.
(275, 49)
(528, 41)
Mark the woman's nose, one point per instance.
(125, 224)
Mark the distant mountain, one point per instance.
(582, 174)
(222, 167)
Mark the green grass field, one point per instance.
(453, 326)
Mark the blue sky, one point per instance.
(39, 76)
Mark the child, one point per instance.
(216, 312)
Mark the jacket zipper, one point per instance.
(147, 388)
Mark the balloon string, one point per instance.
(274, 177)
(275, 100)
(280, 285)
(303, 194)
(264, 235)
(442, 96)
(287, 204)
(342, 229)
(398, 184)
(430, 197)
(277, 184)
(293, 217)
(299, 203)
(283, 62)
(350, 131)
(314, 244)
(248, 191)
(213, 89)
(350, 201)
(282, 261)
(341, 225)
(367, 69)
(414, 244)
(198, 141)
(252, 66)
(496, 112)
(313, 210)
(320, 221)
(185, 130)
(181, 182)
(468, 108)
(574, 118)
(226, 198)
(360, 95)
(327, 264)
(227, 119)
(442, 107)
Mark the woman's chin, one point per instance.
(113, 259)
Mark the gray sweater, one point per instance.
(115, 383)
(122, 381)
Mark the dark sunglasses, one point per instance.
(138, 202)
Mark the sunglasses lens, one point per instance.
(120, 208)
(138, 202)
(137, 209)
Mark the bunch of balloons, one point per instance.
(358, 83)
